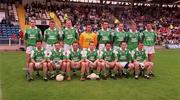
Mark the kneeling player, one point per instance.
(55, 59)
(140, 61)
(38, 61)
(124, 60)
(75, 57)
(92, 57)
(109, 58)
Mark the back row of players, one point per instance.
(117, 52)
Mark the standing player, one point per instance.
(104, 35)
(119, 36)
(124, 59)
(149, 39)
(51, 36)
(109, 58)
(55, 59)
(32, 34)
(69, 35)
(86, 37)
(140, 61)
(38, 61)
(133, 36)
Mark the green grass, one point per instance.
(165, 86)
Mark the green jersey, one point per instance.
(108, 55)
(69, 35)
(92, 56)
(56, 55)
(140, 56)
(51, 36)
(119, 37)
(133, 39)
(75, 56)
(149, 38)
(32, 35)
(37, 55)
(104, 36)
(124, 55)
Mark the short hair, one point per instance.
(76, 42)
(123, 42)
(105, 21)
(140, 42)
(57, 42)
(39, 41)
(108, 43)
(52, 21)
(91, 42)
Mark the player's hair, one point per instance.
(140, 42)
(108, 43)
(105, 21)
(61, 42)
(67, 20)
(149, 22)
(123, 42)
(57, 42)
(52, 21)
(76, 42)
(39, 41)
(88, 23)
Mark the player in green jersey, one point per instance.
(109, 58)
(140, 61)
(119, 35)
(104, 35)
(32, 34)
(124, 60)
(69, 35)
(51, 36)
(38, 61)
(149, 39)
(55, 60)
(133, 36)
(92, 56)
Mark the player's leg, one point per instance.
(136, 70)
(30, 70)
(148, 67)
(83, 69)
(119, 69)
(67, 65)
(87, 68)
(45, 70)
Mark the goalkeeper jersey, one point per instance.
(85, 39)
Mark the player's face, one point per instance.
(52, 25)
(61, 44)
(75, 46)
(121, 27)
(108, 47)
(123, 45)
(91, 46)
(68, 24)
(140, 46)
(57, 46)
(33, 23)
(105, 25)
(149, 26)
(133, 27)
(88, 28)
(38, 45)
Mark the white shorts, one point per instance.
(101, 46)
(123, 64)
(38, 65)
(57, 64)
(149, 49)
(49, 48)
(29, 49)
(67, 47)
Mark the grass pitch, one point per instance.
(165, 86)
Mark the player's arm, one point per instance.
(25, 38)
(76, 35)
(81, 38)
(95, 40)
(45, 36)
(33, 57)
(40, 37)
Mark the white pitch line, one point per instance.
(0, 91)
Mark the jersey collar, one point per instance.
(68, 28)
(59, 49)
(33, 28)
(106, 30)
(118, 30)
(51, 29)
(133, 32)
(149, 31)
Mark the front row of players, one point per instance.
(105, 63)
